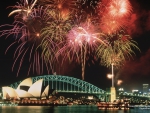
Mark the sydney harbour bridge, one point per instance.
(69, 85)
(73, 86)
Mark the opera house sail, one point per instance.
(26, 89)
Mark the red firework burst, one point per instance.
(109, 24)
(114, 15)
(119, 8)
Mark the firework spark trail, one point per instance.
(26, 33)
(57, 27)
(23, 7)
(54, 32)
(64, 6)
(49, 48)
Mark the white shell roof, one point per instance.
(26, 82)
(35, 89)
(45, 92)
(23, 94)
(10, 91)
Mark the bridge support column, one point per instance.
(113, 94)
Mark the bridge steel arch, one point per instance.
(66, 84)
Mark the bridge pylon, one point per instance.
(112, 94)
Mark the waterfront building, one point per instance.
(145, 89)
(26, 89)
(135, 92)
(120, 91)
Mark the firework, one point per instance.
(109, 76)
(28, 39)
(114, 15)
(119, 48)
(89, 6)
(57, 27)
(24, 7)
(69, 6)
(115, 8)
(46, 30)
(81, 40)
(110, 24)
(55, 31)
(119, 82)
(119, 8)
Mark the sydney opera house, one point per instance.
(27, 90)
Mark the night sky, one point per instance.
(134, 73)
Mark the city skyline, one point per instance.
(133, 74)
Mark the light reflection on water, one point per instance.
(65, 109)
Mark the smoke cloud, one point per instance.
(139, 68)
(139, 21)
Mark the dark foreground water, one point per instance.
(66, 109)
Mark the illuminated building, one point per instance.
(26, 89)
(145, 88)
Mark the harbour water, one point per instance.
(67, 109)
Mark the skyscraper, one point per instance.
(145, 88)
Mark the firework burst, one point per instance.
(81, 40)
(55, 32)
(119, 49)
(57, 27)
(119, 8)
(114, 15)
(27, 38)
(110, 25)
